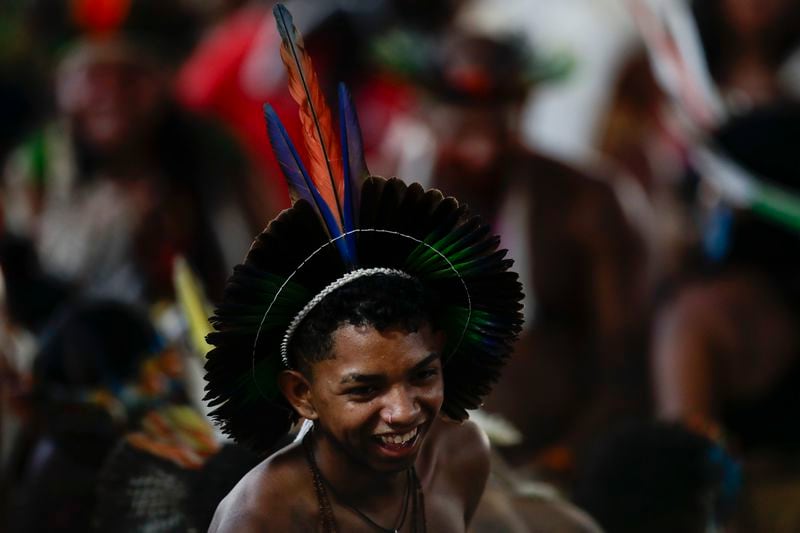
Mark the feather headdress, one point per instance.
(345, 224)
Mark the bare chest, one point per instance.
(435, 509)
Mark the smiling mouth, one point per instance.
(401, 440)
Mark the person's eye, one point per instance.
(364, 391)
(426, 373)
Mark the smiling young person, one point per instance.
(369, 375)
(379, 318)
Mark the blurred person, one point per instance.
(731, 54)
(122, 180)
(658, 478)
(168, 474)
(562, 120)
(103, 197)
(29, 298)
(580, 257)
(99, 369)
(747, 46)
(707, 59)
(110, 440)
(642, 135)
(725, 351)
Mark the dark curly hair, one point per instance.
(381, 301)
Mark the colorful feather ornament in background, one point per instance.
(679, 63)
(741, 189)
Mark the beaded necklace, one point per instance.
(418, 523)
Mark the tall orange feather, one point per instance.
(326, 165)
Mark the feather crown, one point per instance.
(343, 224)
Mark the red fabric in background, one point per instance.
(210, 82)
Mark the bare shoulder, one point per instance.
(460, 457)
(270, 497)
(461, 443)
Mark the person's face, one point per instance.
(111, 102)
(754, 17)
(379, 394)
(471, 140)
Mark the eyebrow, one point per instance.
(425, 362)
(355, 377)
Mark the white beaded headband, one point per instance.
(341, 282)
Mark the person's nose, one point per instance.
(401, 407)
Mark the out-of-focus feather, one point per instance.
(194, 305)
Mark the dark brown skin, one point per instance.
(377, 383)
(729, 343)
(588, 257)
(720, 340)
(588, 287)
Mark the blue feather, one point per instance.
(289, 160)
(355, 167)
(298, 179)
(285, 22)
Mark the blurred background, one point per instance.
(637, 157)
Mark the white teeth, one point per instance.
(399, 439)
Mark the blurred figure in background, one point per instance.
(123, 181)
(168, 475)
(658, 478)
(99, 370)
(580, 258)
(749, 51)
(111, 442)
(30, 298)
(748, 47)
(707, 59)
(99, 202)
(726, 351)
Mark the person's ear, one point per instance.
(297, 391)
